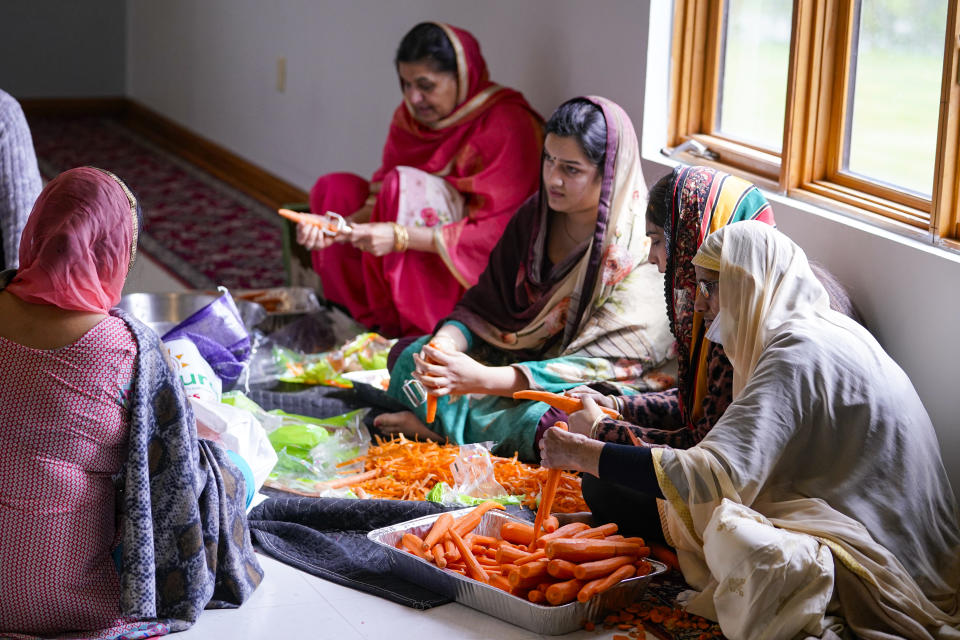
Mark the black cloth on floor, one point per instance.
(327, 537)
(325, 402)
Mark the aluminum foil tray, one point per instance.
(548, 620)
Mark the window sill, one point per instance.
(809, 201)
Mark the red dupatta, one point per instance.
(467, 149)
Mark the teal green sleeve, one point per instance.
(559, 374)
(247, 472)
(463, 329)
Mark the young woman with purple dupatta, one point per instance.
(568, 297)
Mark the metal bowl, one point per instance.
(163, 311)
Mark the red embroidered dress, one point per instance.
(63, 435)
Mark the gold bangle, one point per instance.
(619, 405)
(401, 238)
(596, 424)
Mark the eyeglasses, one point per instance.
(706, 287)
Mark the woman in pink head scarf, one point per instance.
(78, 244)
(100, 466)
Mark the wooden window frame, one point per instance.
(818, 77)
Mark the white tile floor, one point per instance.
(149, 277)
(292, 604)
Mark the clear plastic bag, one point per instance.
(273, 362)
(309, 450)
(474, 479)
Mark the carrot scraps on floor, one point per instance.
(670, 619)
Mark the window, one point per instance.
(853, 104)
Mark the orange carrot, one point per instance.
(474, 570)
(507, 554)
(347, 481)
(588, 549)
(500, 582)
(516, 532)
(507, 568)
(486, 541)
(562, 569)
(546, 497)
(600, 568)
(559, 401)
(439, 529)
(432, 399)
(563, 592)
(518, 582)
(665, 555)
(536, 569)
(469, 522)
(480, 550)
(414, 545)
(597, 532)
(450, 550)
(551, 524)
(322, 222)
(600, 585)
(530, 557)
(566, 531)
(438, 557)
(536, 596)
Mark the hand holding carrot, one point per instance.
(582, 421)
(442, 372)
(312, 236)
(599, 398)
(570, 451)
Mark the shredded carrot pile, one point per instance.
(409, 469)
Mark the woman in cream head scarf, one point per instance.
(820, 495)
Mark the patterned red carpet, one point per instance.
(203, 231)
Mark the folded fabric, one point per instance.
(327, 537)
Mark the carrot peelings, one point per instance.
(546, 498)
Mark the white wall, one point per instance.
(62, 48)
(211, 66)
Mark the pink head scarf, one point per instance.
(79, 242)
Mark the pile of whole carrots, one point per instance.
(573, 562)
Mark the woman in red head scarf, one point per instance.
(461, 156)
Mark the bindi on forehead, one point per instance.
(575, 163)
